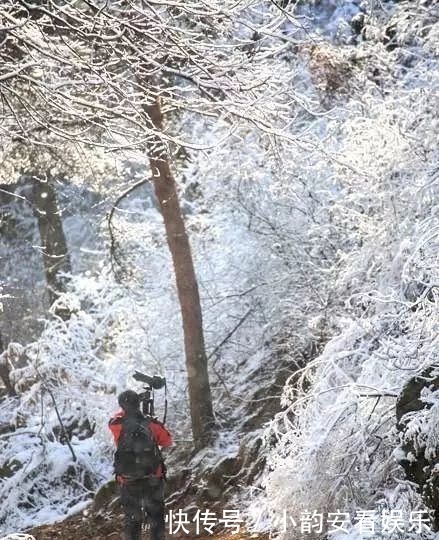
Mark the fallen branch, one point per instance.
(63, 429)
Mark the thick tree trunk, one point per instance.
(56, 258)
(187, 286)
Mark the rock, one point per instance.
(418, 467)
(106, 497)
(9, 468)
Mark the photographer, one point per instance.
(139, 466)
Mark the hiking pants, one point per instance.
(140, 499)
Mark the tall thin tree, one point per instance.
(165, 187)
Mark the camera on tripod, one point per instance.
(154, 382)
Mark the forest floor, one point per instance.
(109, 527)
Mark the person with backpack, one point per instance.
(139, 466)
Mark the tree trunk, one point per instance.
(187, 286)
(56, 258)
(5, 370)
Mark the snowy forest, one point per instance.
(241, 198)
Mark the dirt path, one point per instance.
(109, 527)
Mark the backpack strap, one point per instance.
(150, 420)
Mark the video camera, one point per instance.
(154, 382)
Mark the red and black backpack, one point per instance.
(137, 454)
